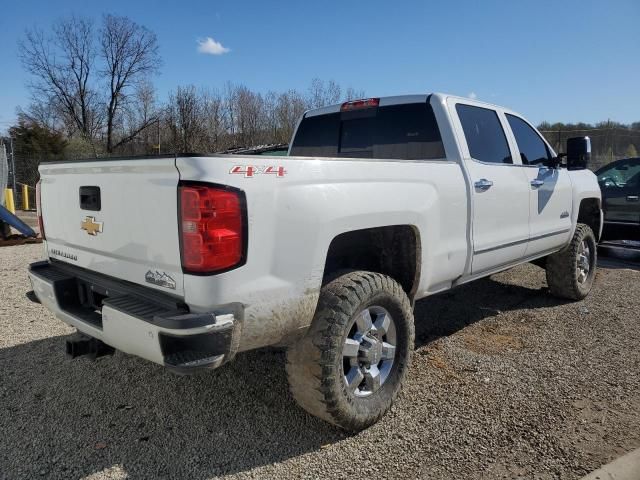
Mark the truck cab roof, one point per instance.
(410, 98)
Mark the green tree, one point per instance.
(34, 139)
(33, 143)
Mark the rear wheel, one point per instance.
(351, 364)
(571, 271)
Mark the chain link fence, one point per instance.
(23, 180)
(26, 177)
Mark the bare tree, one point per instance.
(70, 73)
(105, 95)
(289, 108)
(352, 94)
(214, 121)
(239, 117)
(130, 54)
(46, 115)
(316, 94)
(141, 109)
(321, 94)
(62, 66)
(249, 109)
(230, 106)
(183, 116)
(333, 92)
(271, 124)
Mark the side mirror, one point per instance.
(578, 153)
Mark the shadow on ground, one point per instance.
(614, 256)
(446, 313)
(67, 418)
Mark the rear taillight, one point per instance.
(212, 228)
(359, 104)
(39, 210)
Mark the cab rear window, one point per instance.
(404, 132)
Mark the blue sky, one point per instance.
(550, 60)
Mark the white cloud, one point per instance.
(472, 95)
(211, 47)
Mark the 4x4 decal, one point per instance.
(250, 171)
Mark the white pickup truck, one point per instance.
(187, 260)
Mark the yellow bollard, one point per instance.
(25, 197)
(8, 200)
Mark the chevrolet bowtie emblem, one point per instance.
(90, 225)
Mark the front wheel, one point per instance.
(571, 271)
(351, 364)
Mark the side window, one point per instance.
(485, 137)
(533, 150)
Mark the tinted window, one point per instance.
(532, 148)
(484, 134)
(405, 132)
(356, 135)
(317, 136)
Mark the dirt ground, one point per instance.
(507, 382)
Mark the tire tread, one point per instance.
(560, 267)
(310, 362)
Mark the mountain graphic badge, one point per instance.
(160, 279)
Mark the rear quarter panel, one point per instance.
(293, 218)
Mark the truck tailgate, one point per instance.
(131, 235)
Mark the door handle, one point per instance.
(632, 198)
(483, 184)
(537, 183)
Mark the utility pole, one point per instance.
(158, 135)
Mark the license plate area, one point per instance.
(90, 296)
(82, 299)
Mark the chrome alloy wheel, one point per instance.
(584, 262)
(369, 351)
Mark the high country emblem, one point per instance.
(160, 279)
(90, 225)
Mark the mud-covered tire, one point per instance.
(564, 275)
(315, 364)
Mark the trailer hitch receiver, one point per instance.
(80, 345)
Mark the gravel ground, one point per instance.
(507, 382)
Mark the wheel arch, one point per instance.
(392, 250)
(590, 214)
